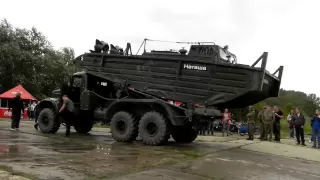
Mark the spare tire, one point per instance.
(124, 127)
(153, 129)
(47, 121)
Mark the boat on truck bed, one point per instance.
(208, 74)
(158, 94)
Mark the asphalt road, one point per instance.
(34, 155)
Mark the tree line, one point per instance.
(28, 58)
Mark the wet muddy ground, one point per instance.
(96, 156)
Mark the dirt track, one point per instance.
(96, 156)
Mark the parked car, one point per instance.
(244, 129)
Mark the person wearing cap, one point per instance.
(17, 107)
(268, 120)
(250, 121)
(67, 112)
(260, 114)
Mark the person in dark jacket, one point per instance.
(316, 130)
(36, 115)
(276, 124)
(299, 122)
(17, 107)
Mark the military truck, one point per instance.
(135, 91)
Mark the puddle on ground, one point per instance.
(5, 148)
(9, 135)
(70, 159)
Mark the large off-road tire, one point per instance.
(153, 129)
(47, 121)
(124, 127)
(83, 127)
(184, 134)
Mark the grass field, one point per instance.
(285, 131)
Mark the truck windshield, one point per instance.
(229, 57)
(223, 54)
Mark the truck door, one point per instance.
(73, 89)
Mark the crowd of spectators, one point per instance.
(270, 118)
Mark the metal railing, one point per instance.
(279, 71)
(264, 58)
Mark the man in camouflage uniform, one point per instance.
(268, 119)
(250, 121)
(260, 115)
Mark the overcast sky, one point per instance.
(287, 29)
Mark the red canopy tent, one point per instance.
(25, 95)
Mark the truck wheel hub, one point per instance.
(151, 128)
(121, 127)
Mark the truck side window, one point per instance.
(104, 84)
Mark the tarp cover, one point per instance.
(25, 95)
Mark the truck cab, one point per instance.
(49, 119)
